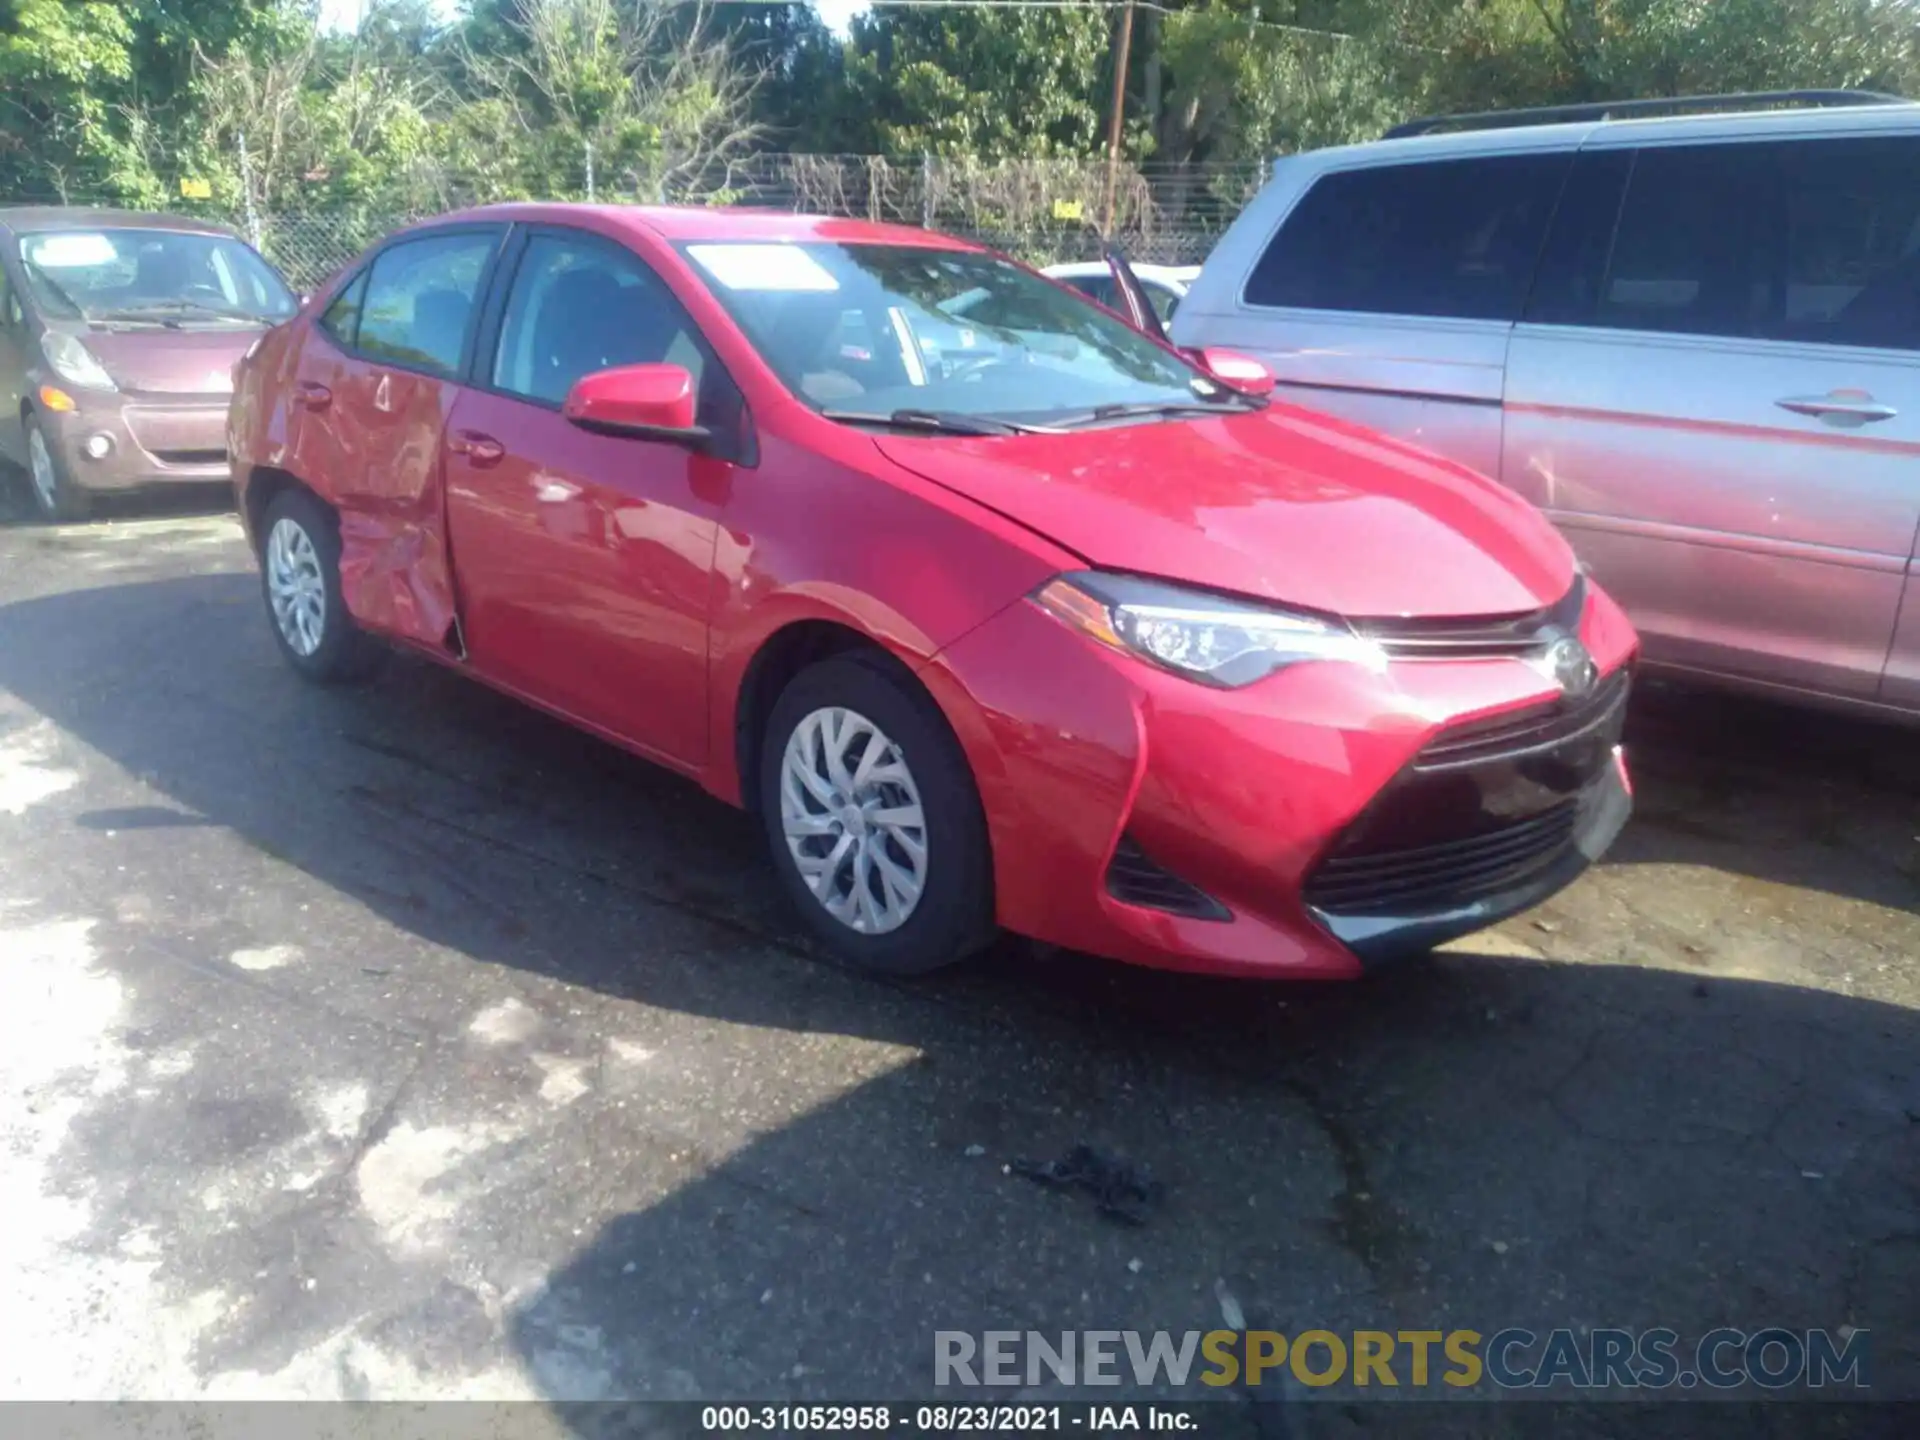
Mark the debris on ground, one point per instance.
(1123, 1189)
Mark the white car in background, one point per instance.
(1166, 285)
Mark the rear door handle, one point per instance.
(1842, 408)
(313, 395)
(478, 448)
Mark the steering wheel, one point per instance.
(202, 288)
(971, 371)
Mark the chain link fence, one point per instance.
(1044, 211)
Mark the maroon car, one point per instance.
(118, 337)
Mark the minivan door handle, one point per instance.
(1844, 409)
(478, 448)
(313, 395)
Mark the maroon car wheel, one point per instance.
(54, 492)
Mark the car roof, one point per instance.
(1892, 118)
(719, 222)
(25, 219)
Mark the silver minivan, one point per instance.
(1693, 340)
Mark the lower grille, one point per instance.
(1432, 877)
(1136, 879)
(191, 457)
(1529, 729)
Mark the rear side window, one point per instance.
(1455, 238)
(1851, 244)
(420, 300)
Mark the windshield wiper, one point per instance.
(170, 311)
(1227, 403)
(945, 421)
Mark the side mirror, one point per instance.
(1230, 367)
(655, 402)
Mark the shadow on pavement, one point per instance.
(1477, 1141)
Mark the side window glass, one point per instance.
(1851, 268)
(579, 306)
(420, 300)
(1454, 238)
(1573, 267)
(342, 317)
(1689, 255)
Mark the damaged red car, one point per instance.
(999, 613)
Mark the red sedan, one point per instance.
(996, 611)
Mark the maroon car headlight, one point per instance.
(1214, 639)
(73, 362)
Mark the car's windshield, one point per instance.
(167, 277)
(878, 329)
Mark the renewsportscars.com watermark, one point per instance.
(1513, 1359)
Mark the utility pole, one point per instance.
(1119, 112)
(590, 172)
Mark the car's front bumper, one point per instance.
(147, 440)
(1303, 826)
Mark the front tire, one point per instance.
(54, 493)
(873, 819)
(300, 577)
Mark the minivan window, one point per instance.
(1852, 243)
(1689, 250)
(1454, 238)
(145, 274)
(420, 300)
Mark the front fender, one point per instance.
(886, 556)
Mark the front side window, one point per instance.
(1689, 252)
(1455, 238)
(420, 300)
(131, 275)
(580, 306)
(881, 328)
(342, 317)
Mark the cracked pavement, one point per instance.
(401, 1043)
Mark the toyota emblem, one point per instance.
(1570, 667)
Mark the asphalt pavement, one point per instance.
(399, 1042)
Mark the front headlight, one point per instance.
(74, 362)
(1215, 639)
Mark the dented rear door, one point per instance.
(375, 389)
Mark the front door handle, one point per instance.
(478, 448)
(1845, 409)
(313, 395)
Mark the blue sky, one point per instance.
(345, 14)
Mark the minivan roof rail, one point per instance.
(1630, 109)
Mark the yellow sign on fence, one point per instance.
(1066, 209)
(196, 189)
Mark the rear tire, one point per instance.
(863, 786)
(54, 494)
(300, 580)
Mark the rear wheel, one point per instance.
(54, 492)
(873, 819)
(300, 575)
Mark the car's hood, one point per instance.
(172, 362)
(1285, 505)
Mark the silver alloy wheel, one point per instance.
(853, 822)
(296, 587)
(46, 485)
